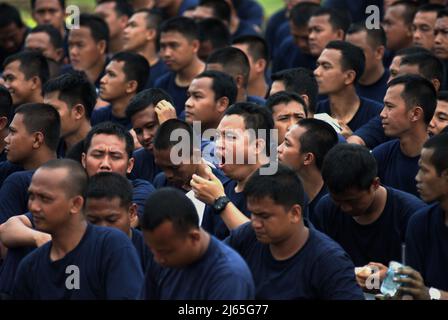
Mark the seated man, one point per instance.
(426, 240)
(81, 261)
(288, 260)
(187, 262)
(358, 209)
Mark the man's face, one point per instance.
(107, 153)
(329, 74)
(169, 247)
(113, 85)
(49, 12)
(233, 146)
(134, 35)
(201, 104)
(397, 32)
(177, 175)
(441, 38)
(430, 185)
(48, 202)
(40, 41)
(19, 142)
(20, 88)
(320, 33)
(289, 152)
(354, 202)
(277, 86)
(106, 10)
(440, 119)
(423, 29)
(177, 51)
(109, 213)
(394, 66)
(145, 124)
(286, 115)
(395, 117)
(300, 36)
(11, 37)
(272, 222)
(84, 52)
(360, 39)
(69, 124)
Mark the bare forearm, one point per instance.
(16, 233)
(233, 217)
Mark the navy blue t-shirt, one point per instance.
(142, 250)
(141, 191)
(250, 11)
(295, 57)
(380, 241)
(157, 70)
(319, 270)
(273, 25)
(14, 194)
(372, 133)
(395, 169)
(108, 264)
(220, 274)
(427, 246)
(144, 165)
(375, 91)
(7, 168)
(366, 111)
(244, 29)
(255, 99)
(105, 114)
(312, 204)
(167, 82)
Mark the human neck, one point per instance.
(288, 248)
(369, 78)
(186, 75)
(173, 9)
(39, 157)
(258, 87)
(312, 182)
(376, 208)
(67, 239)
(204, 242)
(94, 72)
(411, 143)
(149, 52)
(77, 136)
(116, 44)
(241, 95)
(119, 106)
(344, 104)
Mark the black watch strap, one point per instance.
(220, 204)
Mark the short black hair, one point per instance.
(430, 7)
(153, 18)
(135, 67)
(97, 26)
(110, 185)
(74, 88)
(375, 37)
(215, 31)
(6, 106)
(183, 25)
(233, 60)
(349, 166)
(338, 19)
(300, 81)
(284, 97)
(429, 66)
(255, 117)
(301, 13)
(32, 64)
(162, 138)
(257, 46)
(318, 139)
(409, 12)
(438, 143)
(53, 33)
(41, 117)
(411, 50)
(61, 2)
(9, 14)
(76, 181)
(283, 187)
(169, 204)
(352, 57)
(221, 9)
(223, 85)
(111, 128)
(122, 7)
(442, 13)
(145, 99)
(442, 95)
(417, 91)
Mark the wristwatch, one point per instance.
(434, 293)
(220, 203)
